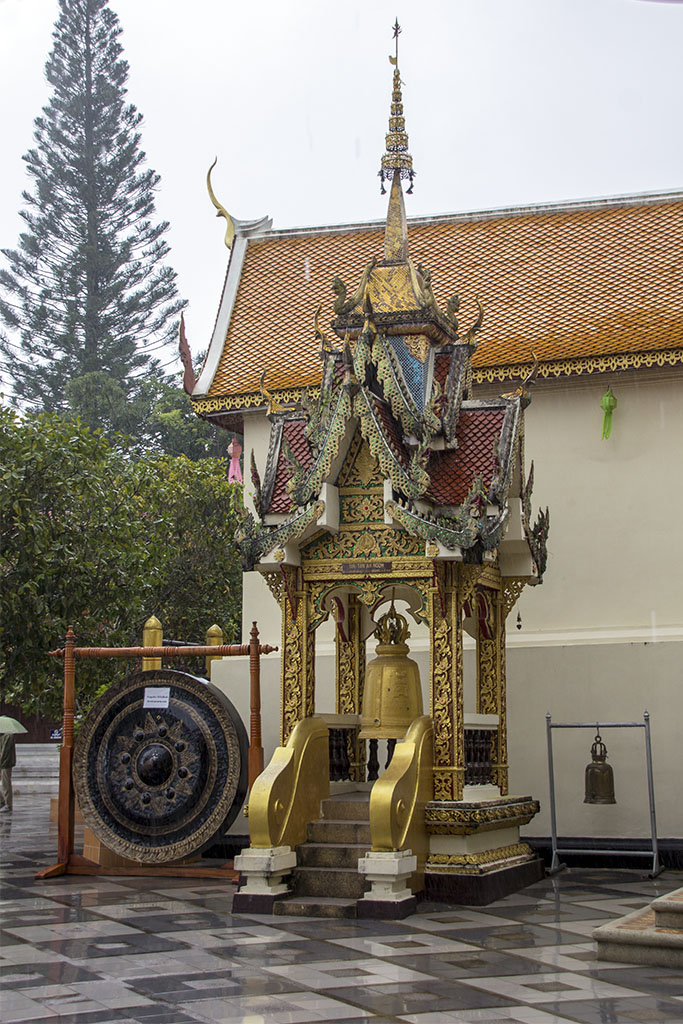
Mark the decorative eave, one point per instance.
(252, 401)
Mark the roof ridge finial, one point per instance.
(397, 161)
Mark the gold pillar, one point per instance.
(214, 636)
(491, 675)
(298, 654)
(446, 684)
(152, 636)
(350, 680)
(502, 771)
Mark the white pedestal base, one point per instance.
(265, 870)
(388, 874)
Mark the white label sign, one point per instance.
(157, 696)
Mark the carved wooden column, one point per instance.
(446, 684)
(298, 654)
(502, 771)
(491, 675)
(350, 679)
(511, 588)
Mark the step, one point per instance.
(315, 906)
(344, 832)
(343, 883)
(669, 910)
(330, 855)
(347, 807)
(635, 939)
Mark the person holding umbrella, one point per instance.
(8, 759)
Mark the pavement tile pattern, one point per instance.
(78, 950)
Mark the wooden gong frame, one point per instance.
(70, 863)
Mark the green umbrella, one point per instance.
(8, 724)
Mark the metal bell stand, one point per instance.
(653, 852)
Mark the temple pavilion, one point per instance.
(387, 497)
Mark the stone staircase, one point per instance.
(652, 936)
(36, 770)
(326, 882)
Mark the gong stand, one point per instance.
(653, 852)
(71, 863)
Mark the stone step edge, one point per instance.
(672, 903)
(646, 934)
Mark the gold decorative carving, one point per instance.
(468, 577)
(368, 545)
(418, 345)
(292, 672)
(250, 400)
(501, 771)
(512, 589)
(432, 549)
(317, 590)
(578, 367)
(448, 818)
(365, 466)
(370, 591)
(309, 691)
(441, 696)
(279, 555)
(482, 375)
(350, 674)
(298, 655)
(475, 863)
(347, 474)
(275, 584)
(391, 543)
(488, 658)
(362, 508)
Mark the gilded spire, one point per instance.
(397, 161)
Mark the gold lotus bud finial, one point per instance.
(397, 161)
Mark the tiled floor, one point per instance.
(168, 951)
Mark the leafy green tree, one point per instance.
(97, 539)
(87, 297)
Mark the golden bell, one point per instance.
(599, 776)
(392, 697)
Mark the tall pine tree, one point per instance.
(87, 297)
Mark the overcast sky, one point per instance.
(508, 102)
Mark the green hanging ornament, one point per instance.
(608, 404)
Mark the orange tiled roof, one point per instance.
(570, 281)
(452, 473)
(293, 434)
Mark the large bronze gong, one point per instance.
(160, 766)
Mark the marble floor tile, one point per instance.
(169, 951)
(404, 946)
(557, 986)
(490, 1015)
(333, 974)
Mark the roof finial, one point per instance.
(397, 161)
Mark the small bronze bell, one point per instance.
(599, 776)
(392, 697)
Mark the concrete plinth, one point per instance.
(262, 878)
